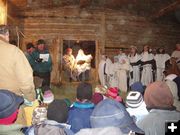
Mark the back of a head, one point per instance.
(58, 111)
(84, 91)
(110, 113)
(9, 105)
(158, 96)
(3, 29)
(134, 99)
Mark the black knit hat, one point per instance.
(58, 111)
(84, 91)
(29, 45)
(41, 41)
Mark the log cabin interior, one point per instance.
(100, 26)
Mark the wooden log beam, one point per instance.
(169, 8)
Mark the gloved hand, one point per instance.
(39, 60)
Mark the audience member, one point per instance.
(9, 108)
(96, 98)
(159, 102)
(80, 112)
(137, 86)
(15, 71)
(51, 121)
(136, 105)
(48, 96)
(113, 93)
(110, 113)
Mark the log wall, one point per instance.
(109, 28)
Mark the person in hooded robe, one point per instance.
(101, 70)
(161, 58)
(135, 60)
(122, 68)
(147, 66)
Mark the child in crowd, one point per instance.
(80, 112)
(51, 121)
(115, 116)
(99, 94)
(136, 106)
(9, 107)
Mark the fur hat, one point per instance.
(58, 111)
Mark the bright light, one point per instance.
(3, 12)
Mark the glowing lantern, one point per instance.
(3, 12)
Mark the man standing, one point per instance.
(15, 71)
(43, 63)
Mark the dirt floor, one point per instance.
(68, 90)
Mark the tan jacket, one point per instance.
(16, 74)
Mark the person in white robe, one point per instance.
(113, 78)
(147, 66)
(101, 71)
(122, 68)
(161, 57)
(104, 70)
(176, 54)
(134, 59)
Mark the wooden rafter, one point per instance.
(171, 7)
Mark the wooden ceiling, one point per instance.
(155, 8)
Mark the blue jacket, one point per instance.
(79, 116)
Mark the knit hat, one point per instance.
(9, 105)
(101, 89)
(110, 113)
(137, 86)
(134, 99)
(96, 98)
(113, 93)
(41, 41)
(173, 87)
(158, 96)
(29, 45)
(84, 91)
(48, 97)
(39, 115)
(58, 111)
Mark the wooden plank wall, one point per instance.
(108, 28)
